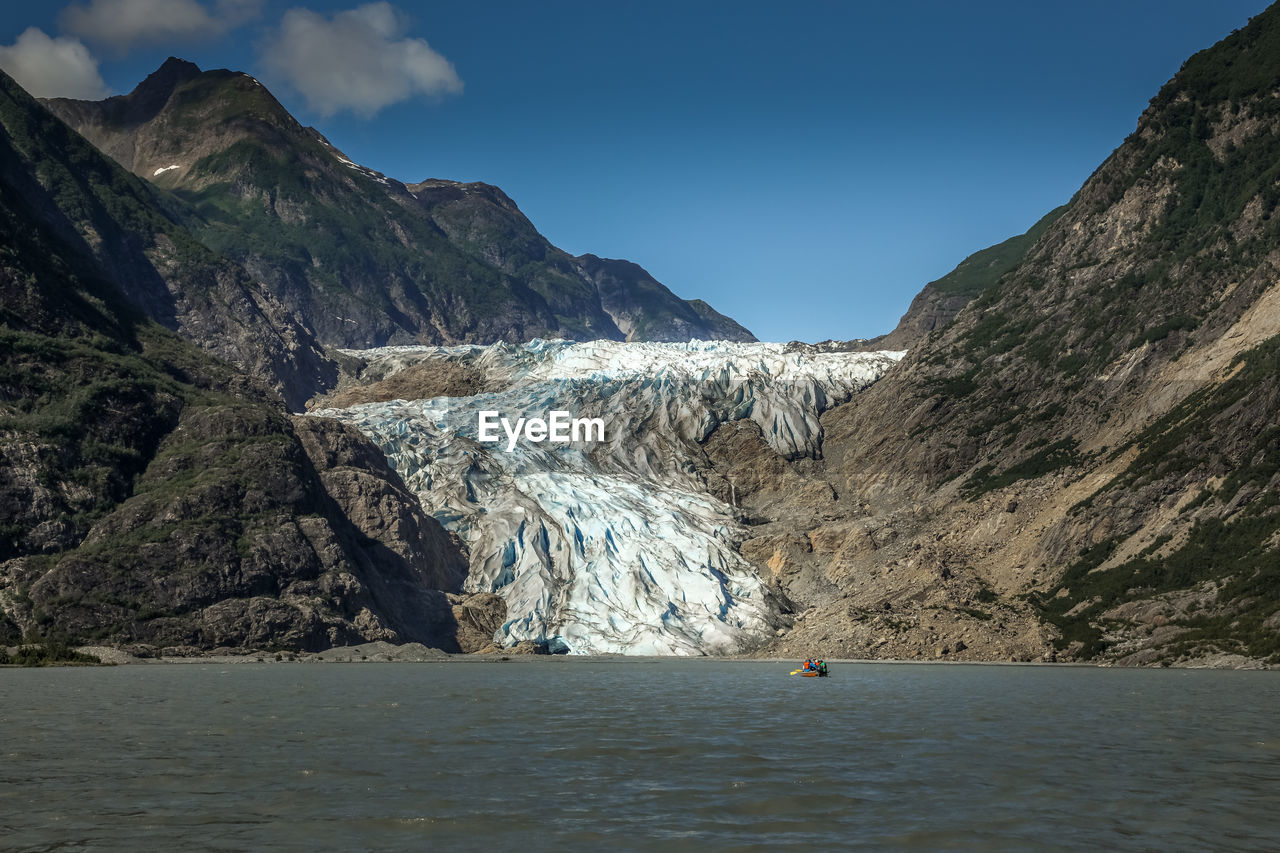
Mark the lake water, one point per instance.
(678, 755)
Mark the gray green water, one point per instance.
(676, 755)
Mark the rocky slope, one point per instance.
(151, 495)
(366, 259)
(638, 306)
(1087, 455)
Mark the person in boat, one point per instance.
(822, 667)
(810, 666)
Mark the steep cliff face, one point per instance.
(1090, 441)
(151, 495)
(929, 311)
(366, 259)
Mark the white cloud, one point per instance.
(53, 67)
(121, 24)
(233, 13)
(357, 60)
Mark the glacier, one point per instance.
(611, 546)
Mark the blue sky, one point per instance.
(806, 168)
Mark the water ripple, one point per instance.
(679, 755)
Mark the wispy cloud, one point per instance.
(121, 24)
(357, 60)
(53, 67)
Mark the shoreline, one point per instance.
(380, 652)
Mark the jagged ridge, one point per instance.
(366, 259)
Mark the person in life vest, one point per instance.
(808, 665)
(822, 667)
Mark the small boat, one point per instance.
(818, 669)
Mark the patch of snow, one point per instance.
(162, 170)
(364, 170)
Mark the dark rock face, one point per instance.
(368, 260)
(356, 476)
(479, 616)
(233, 539)
(719, 326)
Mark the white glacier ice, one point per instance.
(612, 546)
(163, 169)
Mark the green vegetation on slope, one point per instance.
(121, 230)
(43, 650)
(1160, 254)
(1231, 431)
(95, 196)
(984, 268)
(87, 385)
(1043, 461)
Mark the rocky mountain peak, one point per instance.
(178, 116)
(159, 84)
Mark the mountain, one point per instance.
(151, 494)
(1082, 464)
(1091, 444)
(366, 259)
(98, 208)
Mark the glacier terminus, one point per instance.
(607, 542)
